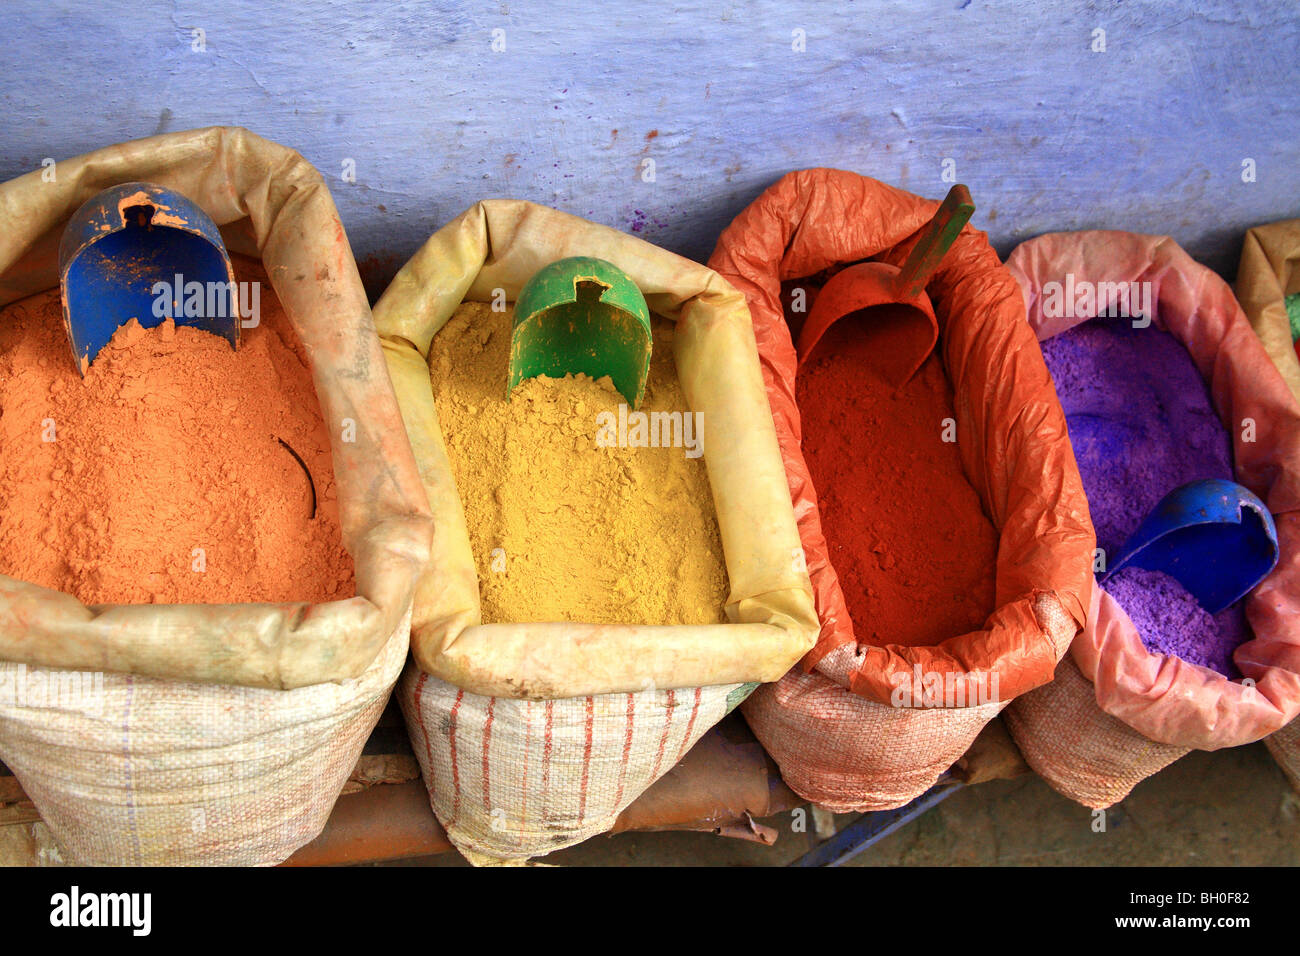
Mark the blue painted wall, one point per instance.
(1149, 135)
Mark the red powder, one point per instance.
(911, 545)
(165, 482)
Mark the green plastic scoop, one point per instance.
(582, 314)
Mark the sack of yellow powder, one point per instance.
(535, 727)
(217, 733)
(1268, 287)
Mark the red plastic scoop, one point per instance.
(892, 302)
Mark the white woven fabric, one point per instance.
(129, 770)
(510, 779)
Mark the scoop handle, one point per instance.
(934, 243)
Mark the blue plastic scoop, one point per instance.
(139, 251)
(1212, 536)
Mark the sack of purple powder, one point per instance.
(1163, 382)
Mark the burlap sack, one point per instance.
(1116, 712)
(831, 724)
(1270, 271)
(1078, 748)
(1284, 745)
(164, 760)
(171, 773)
(533, 737)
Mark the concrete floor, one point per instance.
(1232, 807)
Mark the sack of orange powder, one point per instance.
(1269, 273)
(218, 733)
(1118, 712)
(841, 734)
(532, 736)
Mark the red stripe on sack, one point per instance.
(528, 737)
(690, 724)
(586, 760)
(455, 771)
(663, 740)
(546, 763)
(627, 749)
(487, 743)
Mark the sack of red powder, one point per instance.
(535, 734)
(1121, 708)
(219, 733)
(1266, 279)
(837, 726)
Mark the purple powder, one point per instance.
(1171, 621)
(1142, 424)
(1141, 420)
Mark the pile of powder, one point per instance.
(1171, 621)
(164, 481)
(563, 528)
(1142, 424)
(914, 552)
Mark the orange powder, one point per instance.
(165, 482)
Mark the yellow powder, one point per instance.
(601, 535)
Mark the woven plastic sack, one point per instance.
(831, 724)
(1270, 271)
(1284, 745)
(175, 734)
(1118, 713)
(532, 737)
